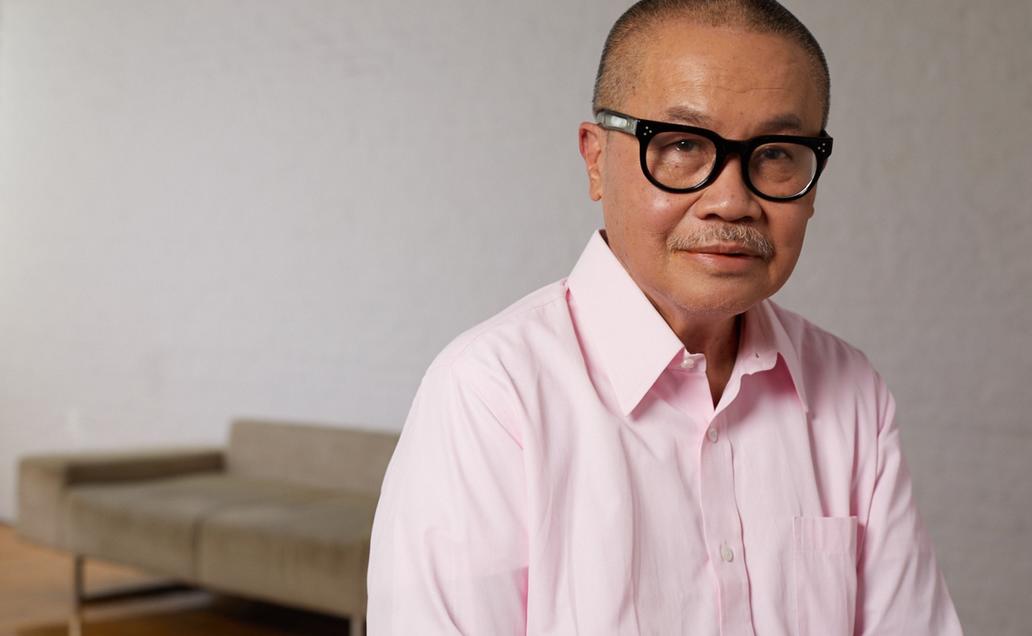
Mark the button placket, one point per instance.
(722, 522)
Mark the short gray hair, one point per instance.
(761, 16)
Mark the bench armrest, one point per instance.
(44, 479)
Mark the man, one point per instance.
(651, 446)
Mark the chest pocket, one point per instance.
(824, 560)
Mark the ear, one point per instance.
(592, 147)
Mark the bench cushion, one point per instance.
(154, 524)
(310, 553)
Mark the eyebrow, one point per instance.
(688, 115)
(779, 123)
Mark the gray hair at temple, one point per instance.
(621, 53)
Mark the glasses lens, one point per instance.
(782, 169)
(680, 160)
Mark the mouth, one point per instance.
(725, 259)
(727, 249)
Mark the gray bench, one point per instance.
(282, 514)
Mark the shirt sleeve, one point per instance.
(901, 591)
(448, 548)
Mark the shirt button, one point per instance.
(727, 554)
(688, 363)
(712, 435)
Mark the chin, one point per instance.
(719, 302)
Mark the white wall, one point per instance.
(264, 207)
(229, 207)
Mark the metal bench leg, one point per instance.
(78, 584)
(81, 600)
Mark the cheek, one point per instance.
(788, 236)
(642, 224)
(653, 211)
(661, 214)
(634, 203)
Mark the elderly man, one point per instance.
(651, 445)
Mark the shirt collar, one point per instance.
(636, 344)
(765, 338)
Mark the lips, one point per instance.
(726, 249)
(723, 260)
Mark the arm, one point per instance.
(448, 552)
(44, 479)
(901, 591)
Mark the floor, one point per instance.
(35, 600)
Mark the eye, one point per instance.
(773, 153)
(687, 145)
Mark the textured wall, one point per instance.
(921, 257)
(287, 208)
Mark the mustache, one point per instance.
(745, 235)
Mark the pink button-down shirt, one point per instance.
(563, 471)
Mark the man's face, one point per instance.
(740, 85)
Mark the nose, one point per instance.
(728, 198)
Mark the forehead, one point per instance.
(735, 81)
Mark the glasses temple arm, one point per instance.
(616, 121)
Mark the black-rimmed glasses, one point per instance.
(678, 158)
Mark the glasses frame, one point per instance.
(646, 129)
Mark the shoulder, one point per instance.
(832, 368)
(493, 365)
(513, 335)
(815, 344)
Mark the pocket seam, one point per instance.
(824, 542)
